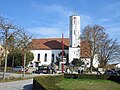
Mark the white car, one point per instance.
(19, 69)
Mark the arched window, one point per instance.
(52, 57)
(38, 57)
(45, 60)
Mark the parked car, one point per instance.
(111, 72)
(43, 69)
(19, 69)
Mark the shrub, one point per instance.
(86, 76)
(93, 76)
(8, 69)
(47, 82)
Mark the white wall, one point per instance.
(74, 31)
(49, 55)
(95, 61)
(42, 56)
(74, 53)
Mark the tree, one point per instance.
(7, 28)
(18, 58)
(109, 51)
(93, 34)
(25, 42)
(106, 48)
(77, 62)
(59, 58)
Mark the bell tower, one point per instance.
(74, 36)
(74, 31)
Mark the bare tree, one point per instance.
(93, 34)
(109, 51)
(7, 28)
(106, 48)
(24, 44)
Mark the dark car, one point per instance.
(111, 72)
(43, 69)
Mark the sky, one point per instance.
(50, 18)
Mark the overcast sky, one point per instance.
(50, 18)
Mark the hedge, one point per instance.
(86, 76)
(47, 82)
(93, 76)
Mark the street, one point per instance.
(17, 85)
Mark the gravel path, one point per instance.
(17, 85)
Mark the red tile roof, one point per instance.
(49, 43)
(56, 44)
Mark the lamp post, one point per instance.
(62, 53)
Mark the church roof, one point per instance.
(49, 44)
(56, 44)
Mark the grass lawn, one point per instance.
(88, 84)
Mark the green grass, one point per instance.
(88, 84)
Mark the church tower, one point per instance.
(74, 31)
(74, 36)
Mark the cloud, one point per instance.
(47, 32)
(106, 19)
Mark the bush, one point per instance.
(8, 69)
(86, 76)
(93, 76)
(47, 82)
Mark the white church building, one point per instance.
(46, 50)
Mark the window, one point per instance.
(74, 32)
(38, 57)
(52, 57)
(45, 60)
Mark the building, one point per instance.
(47, 50)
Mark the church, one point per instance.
(47, 50)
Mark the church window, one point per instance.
(74, 32)
(45, 59)
(52, 57)
(38, 57)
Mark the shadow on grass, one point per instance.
(28, 87)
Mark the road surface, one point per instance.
(17, 85)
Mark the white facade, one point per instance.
(74, 53)
(95, 61)
(45, 57)
(74, 49)
(74, 31)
